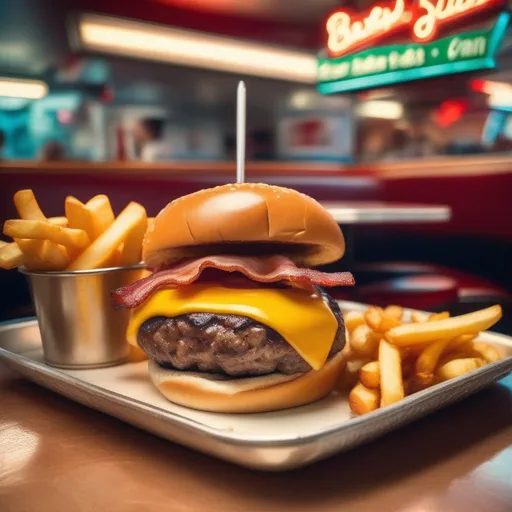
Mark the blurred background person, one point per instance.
(261, 145)
(150, 142)
(408, 143)
(52, 151)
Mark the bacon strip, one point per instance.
(266, 269)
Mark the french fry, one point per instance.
(79, 217)
(379, 321)
(369, 375)
(131, 251)
(54, 256)
(465, 352)
(486, 351)
(27, 206)
(372, 317)
(395, 312)
(438, 316)
(42, 255)
(351, 372)
(57, 243)
(364, 341)
(407, 335)
(101, 251)
(388, 322)
(412, 356)
(363, 400)
(418, 317)
(41, 230)
(59, 221)
(102, 215)
(460, 341)
(10, 255)
(391, 381)
(353, 319)
(31, 253)
(115, 260)
(28, 209)
(458, 367)
(427, 361)
(34, 251)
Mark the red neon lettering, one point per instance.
(348, 31)
(432, 14)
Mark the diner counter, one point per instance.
(56, 455)
(451, 165)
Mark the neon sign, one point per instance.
(348, 31)
(379, 66)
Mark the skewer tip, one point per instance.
(240, 132)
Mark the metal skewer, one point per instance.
(240, 133)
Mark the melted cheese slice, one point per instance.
(303, 319)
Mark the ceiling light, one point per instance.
(500, 100)
(29, 89)
(195, 49)
(301, 100)
(490, 87)
(499, 93)
(311, 100)
(380, 109)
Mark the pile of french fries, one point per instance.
(389, 359)
(88, 237)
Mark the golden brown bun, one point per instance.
(196, 224)
(256, 394)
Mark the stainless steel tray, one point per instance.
(271, 441)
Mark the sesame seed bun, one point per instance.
(251, 218)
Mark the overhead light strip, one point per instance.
(382, 109)
(195, 49)
(18, 88)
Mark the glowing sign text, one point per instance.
(348, 31)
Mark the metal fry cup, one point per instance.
(79, 327)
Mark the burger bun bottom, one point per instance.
(216, 393)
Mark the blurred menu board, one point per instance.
(429, 38)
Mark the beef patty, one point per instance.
(229, 344)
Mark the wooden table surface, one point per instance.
(58, 456)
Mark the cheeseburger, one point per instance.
(232, 318)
